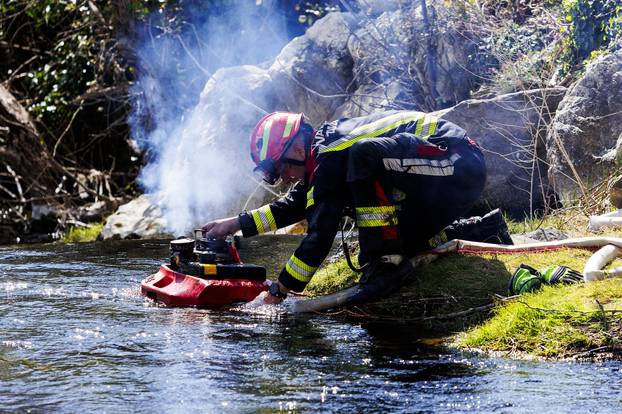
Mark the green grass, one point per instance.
(562, 222)
(571, 221)
(331, 278)
(447, 294)
(452, 283)
(83, 234)
(554, 322)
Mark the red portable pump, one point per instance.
(204, 273)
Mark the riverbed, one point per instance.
(76, 335)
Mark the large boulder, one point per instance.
(511, 130)
(313, 72)
(411, 57)
(138, 219)
(584, 145)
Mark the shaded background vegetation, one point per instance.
(73, 65)
(70, 64)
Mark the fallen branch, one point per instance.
(88, 190)
(596, 350)
(359, 313)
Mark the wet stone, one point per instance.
(547, 234)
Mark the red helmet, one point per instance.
(270, 139)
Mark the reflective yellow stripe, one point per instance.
(299, 270)
(426, 127)
(375, 209)
(374, 129)
(378, 216)
(392, 221)
(257, 220)
(265, 139)
(270, 217)
(419, 127)
(431, 125)
(310, 200)
(439, 239)
(386, 123)
(288, 127)
(264, 220)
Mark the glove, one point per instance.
(525, 279)
(560, 274)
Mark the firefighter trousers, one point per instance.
(407, 189)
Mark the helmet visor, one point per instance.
(268, 171)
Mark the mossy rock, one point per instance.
(83, 234)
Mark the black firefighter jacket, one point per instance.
(324, 195)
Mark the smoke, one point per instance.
(192, 172)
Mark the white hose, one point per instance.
(340, 298)
(611, 219)
(600, 259)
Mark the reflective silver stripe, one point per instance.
(374, 216)
(393, 164)
(422, 166)
(264, 220)
(299, 270)
(407, 162)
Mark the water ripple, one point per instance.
(76, 335)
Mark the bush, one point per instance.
(591, 25)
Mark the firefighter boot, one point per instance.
(382, 276)
(490, 228)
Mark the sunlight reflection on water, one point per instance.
(81, 338)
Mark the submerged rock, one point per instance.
(137, 219)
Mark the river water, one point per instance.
(76, 336)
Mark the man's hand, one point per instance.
(265, 298)
(220, 229)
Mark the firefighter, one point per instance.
(404, 175)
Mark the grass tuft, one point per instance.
(456, 294)
(332, 278)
